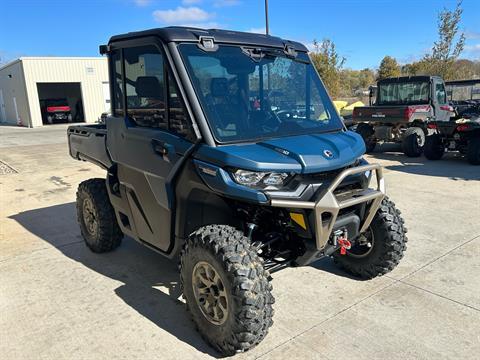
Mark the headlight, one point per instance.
(263, 180)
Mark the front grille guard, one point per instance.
(328, 204)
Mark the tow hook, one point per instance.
(340, 238)
(345, 245)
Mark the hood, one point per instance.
(300, 154)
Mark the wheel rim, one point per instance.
(363, 246)
(90, 217)
(210, 293)
(420, 140)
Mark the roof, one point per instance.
(23, 58)
(189, 34)
(463, 82)
(401, 79)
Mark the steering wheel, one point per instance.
(284, 115)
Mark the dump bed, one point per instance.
(88, 143)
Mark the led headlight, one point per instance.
(264, 180)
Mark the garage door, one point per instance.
(60, 102)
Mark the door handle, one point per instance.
(160, 147)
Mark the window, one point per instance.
(252, 94)
(144, 84)
(395, 93)
(179, 120)
(440, 93)
(116, 69)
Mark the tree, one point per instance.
(328, 64)
(388, 68)
(448, 47)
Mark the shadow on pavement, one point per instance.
(452, 166)
(139, 269)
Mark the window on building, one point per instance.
(144, 83)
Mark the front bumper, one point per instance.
(328, 204)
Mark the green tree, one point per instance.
(446, 50)
(388, 68)
(328, 64)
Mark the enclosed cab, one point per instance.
(224, 151)
(401, 110)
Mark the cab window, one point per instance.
(144, 86)
(440, 93)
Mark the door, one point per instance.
(145, 143)
(3, 116)
(106, 96)
(440, 103)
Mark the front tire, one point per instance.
(413, 142)
(434, 148)
(473, 151)
(378, 250)
(226, 288)
(96, 217)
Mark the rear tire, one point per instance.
(387, 245)
(434, 148)
(473, 151)
(235, 283)
(413, 142)
(96, 217)
(367, 132)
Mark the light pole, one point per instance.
(266, 17)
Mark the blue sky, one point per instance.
(363, 30)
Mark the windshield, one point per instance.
(403, 93)
(251, 94)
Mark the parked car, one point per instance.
(54, 110)
(461, 132)
(233, 188)
(401, 110)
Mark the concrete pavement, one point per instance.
(60, 301)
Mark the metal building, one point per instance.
(31, 88)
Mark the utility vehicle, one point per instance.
(224, 150)
(400, 112)
(462, 130)
(54, 110)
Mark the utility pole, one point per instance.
(266, 17)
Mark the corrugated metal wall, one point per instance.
(15, 109)
(89, 72)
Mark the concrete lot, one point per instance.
(60, 301)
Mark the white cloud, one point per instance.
(473, 35)
(203, 25)
(222, 3)
(182, 15)
(142, 2)
(191, 2)
(472, 49)
(259, 30)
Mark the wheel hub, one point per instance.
(363, 245)
(210, 293)
(90, 217)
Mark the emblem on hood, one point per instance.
(328, 153)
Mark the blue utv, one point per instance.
(224, 150)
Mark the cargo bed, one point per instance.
(91, 140)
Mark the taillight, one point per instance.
(462, 127)
(408, 112)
